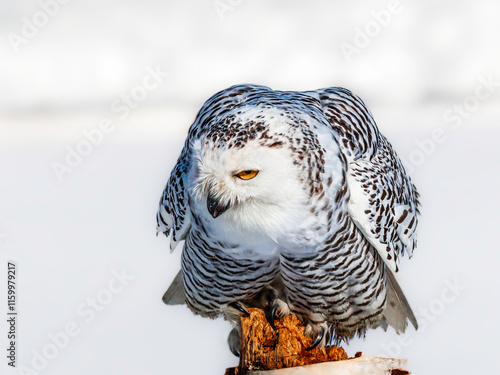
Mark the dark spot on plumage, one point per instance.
(326, 203)
(384, 193)
(403, 217)
(339, 195)
(329, 215)
(410, 225)
(276, 144)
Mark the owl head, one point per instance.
(246, 177)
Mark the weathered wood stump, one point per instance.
(264, 350)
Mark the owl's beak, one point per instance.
(215, 207)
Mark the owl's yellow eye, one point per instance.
(247, 175)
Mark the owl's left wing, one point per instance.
(383, 201)
(384, 204)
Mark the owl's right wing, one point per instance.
(173, 216)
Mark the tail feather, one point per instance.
(397, 309)
(175, 294)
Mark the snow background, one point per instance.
(67, 237)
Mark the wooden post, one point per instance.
(264, 351)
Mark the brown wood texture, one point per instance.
(263, 348)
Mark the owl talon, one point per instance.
(233, 341)
(318, 340)
(270, 315)
(237, 306)
(235, 352)
(271, 308)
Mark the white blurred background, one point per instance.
(72, 212)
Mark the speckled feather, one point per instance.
(327, 234)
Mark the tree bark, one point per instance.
(281, 351)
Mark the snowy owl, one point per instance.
(293, 202)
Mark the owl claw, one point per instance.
(233, 341)
(237, 306)
(272, 314)
(235, 352)
(318, 340)
(272, 307)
